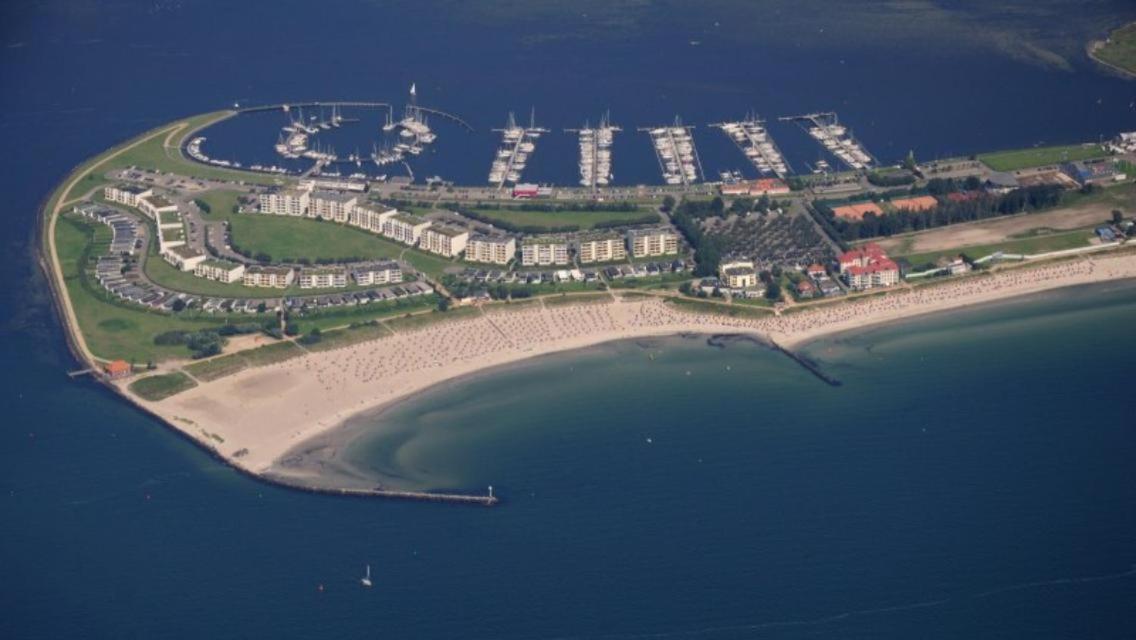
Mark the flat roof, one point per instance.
(409, 218)
(268, 269)
(452, 232)
(654, 231)
(220, 264)
(337, 196)
(185, 251)
(323, 271)
(481, 237)
(159, 202)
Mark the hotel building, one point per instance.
(285, 202)
(738, 274)
(323, 278)
(652, 242)
(867, 267)
(405, 228)
(183, 257)
(601, 247)
(491, 249)
(273, 277)
(543, 251)
(377, 273)
(332, 205)
(444, 241)
(220, 270)
(368, 218)
(127, 194)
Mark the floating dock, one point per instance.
(517, 144)
(674, 148)
(595, 153)
(753, 140)
(826, 129)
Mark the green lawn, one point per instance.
(158, 387)
(285, 238)
(1120, 50)
(343, 316)
(561, 219)
(112, 329)
(1038, 243)
(1040, 156)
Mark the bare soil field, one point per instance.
(997, 230)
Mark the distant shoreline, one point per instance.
(1096, 45)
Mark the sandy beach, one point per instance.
(254, 417)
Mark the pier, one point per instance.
(595, 153)
(516, 144)
(826, 129)
(674, 148)
(487, 500)
(753, 140)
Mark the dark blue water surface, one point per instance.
(972, 478)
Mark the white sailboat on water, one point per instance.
(366, 579)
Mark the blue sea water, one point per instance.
(971, 478)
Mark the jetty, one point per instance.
(753, 140)
(826, 129)
(674, 148)
(517, 143)
(595, 153)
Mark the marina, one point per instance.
(595, 153)
(517, 144)
(826, 129)
(753, 140)
(674, 149)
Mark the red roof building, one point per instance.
(771, 186)
(117, 369)
(868, 266)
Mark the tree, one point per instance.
(291, 328)
(443, 304)
(261, 308)
(178, 305)
(668, 204)
(1117, 216)
(773, 291)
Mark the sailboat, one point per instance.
(366, 580)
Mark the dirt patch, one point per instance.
(996, 230)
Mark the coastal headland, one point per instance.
(283, 358)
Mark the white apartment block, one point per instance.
(323, 278)
(652, 242)
(154, 205)
(544, 251)
(274, 277)
(285, 202)
(183, 258)
(369, 219)
(405, 228)
(491, 249)
(601, 248)
(377, 273)
(738, 274)
(444, 241)
(220, 270)
(332, 205)
(127, 194)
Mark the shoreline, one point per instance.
(257, 418)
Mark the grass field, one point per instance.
(1120, 50)
(285, 238)
(157, 387)
(344, 316)
(410, 323)
(1037, 242)
(1040, 156)
(562, 219)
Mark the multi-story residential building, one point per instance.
(377, 273)
(369, 219)
(332, 205)
(127, 194)
(405, 228)
(220, 270)
(444, 240)
(491, 249)
(274, 277)
(323, 278)
(660, 241)
(155, 205)
(285, 202)
(543, 251)
(737, 273)
(867, 267)
(183, 257)
(601, 247)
